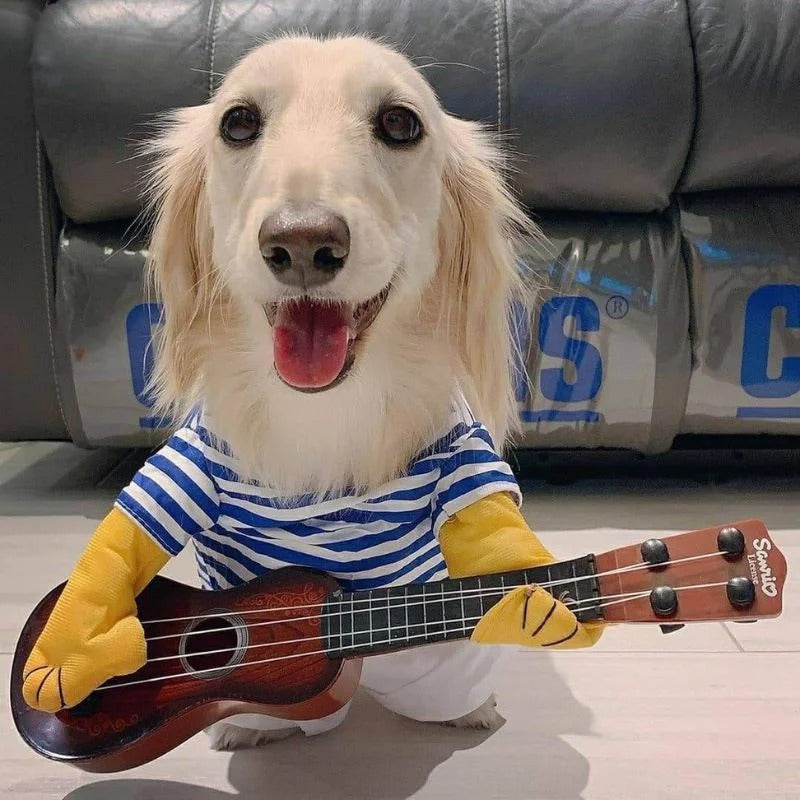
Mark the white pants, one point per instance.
(437, 683)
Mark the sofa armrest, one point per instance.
(32, 408)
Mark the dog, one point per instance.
(336, 255)
(423, 243)
(338, 261)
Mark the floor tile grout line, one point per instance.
(749, 652)
(736, 642)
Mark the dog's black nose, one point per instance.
(304, 246)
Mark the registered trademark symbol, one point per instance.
(616, 306)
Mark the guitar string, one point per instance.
(432, 599)
(229, 667)
(457, 592)
(617, 571)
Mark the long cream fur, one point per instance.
(437, 221)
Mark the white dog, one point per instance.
(348, 129)
(337, 258)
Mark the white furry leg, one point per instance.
(484, 717)
(224, 736)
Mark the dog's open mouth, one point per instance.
(314, 340)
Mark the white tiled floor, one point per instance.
(710, 712)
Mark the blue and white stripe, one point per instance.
(189, 490)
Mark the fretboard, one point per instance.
(382, 620)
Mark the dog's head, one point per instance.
(321, 209)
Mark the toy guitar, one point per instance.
(290, 644)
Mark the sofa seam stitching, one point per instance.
(211, 34)
(47, 300)
(497, 63)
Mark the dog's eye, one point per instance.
(240, 124)
(398, 125)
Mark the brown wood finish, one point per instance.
(695, 605)
(124, 727)
(176, 731)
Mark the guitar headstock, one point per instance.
(728, 572)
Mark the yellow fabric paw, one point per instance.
(490, 537)
(92, 633)
(63, 680)
(531, 617)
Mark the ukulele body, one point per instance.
(123, 728)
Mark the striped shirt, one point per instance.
(189, 490)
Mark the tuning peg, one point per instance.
(654, 551)
(741, 592)
(730, 541)
(671, 628)
(664, 601)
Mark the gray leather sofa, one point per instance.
(657, 143)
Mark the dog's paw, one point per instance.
(485, 717)
(224, 736)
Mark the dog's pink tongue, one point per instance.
(310, 342)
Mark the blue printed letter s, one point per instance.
(554, 341)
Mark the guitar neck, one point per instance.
(356, 624)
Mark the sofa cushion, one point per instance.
(748, 94)
(601, 102)
(101, 71)
(597, 97)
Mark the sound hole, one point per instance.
(213, 646)
(207, 638)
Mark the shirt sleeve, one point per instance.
(173, 496)
(471, 471)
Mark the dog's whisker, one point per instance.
(449, 64)
(207, 72)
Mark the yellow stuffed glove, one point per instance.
(491, 536)
(531, 617)
(93, 633)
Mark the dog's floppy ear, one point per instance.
(180, 254)
(481, 233)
